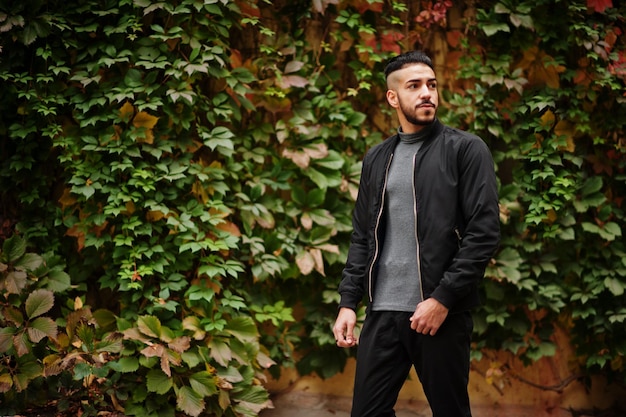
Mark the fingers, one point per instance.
(346, 343)
(343, 330)
(344, 335)
(428, 317)
(422, 327)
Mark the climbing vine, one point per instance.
(177, 180)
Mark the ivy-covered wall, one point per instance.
(177, 180)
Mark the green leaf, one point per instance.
(189, 401)
(243, 328)
(29, 262)
(591, 186)
(58, 281)
(203, 383)
(545, 349)
(27, 371)
(316, 197)
(157, 381)
(356, 119)
(6, 338)
(13, 249)
(39, 302)
(42, 327)
(493, 28)
(255, 395)
(150, 326)
(82, 370)
(124, 365)
(615, 286)
(105, 318)
(613, 228)
(230, 374)
(111, 343)
(220, 351)
(333, 161)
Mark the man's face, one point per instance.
(413, 93)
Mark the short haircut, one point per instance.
(412, 57)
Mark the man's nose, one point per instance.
(424, 91)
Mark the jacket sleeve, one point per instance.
(478, 203)
(352, 286)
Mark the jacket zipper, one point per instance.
(417, 240)
(459, 238)
(378, 217)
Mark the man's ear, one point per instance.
(392, 98)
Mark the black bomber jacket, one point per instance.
(458, 225)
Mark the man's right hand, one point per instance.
(344, 328)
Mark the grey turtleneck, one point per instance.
(398, 281)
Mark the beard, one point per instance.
(411, 114)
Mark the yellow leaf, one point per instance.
(6, 382)
(127, 111)
(154, 215)
(199, 191)
(547, 119)
(147, 122)
(143, 119)
(567, 129)
(130, 207)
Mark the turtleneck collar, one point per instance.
(417, 136)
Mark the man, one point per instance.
(426, 224)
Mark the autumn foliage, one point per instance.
(177, 180)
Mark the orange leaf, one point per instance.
(363, 5)
(67, 199)
(248, 9)
(229, 227)
(74, 231)
(454, 38)
(235, 59)
(540, 68)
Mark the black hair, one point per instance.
(412, 57)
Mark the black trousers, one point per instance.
(387, 349)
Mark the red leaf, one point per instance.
(389, 42)
(599, 5)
